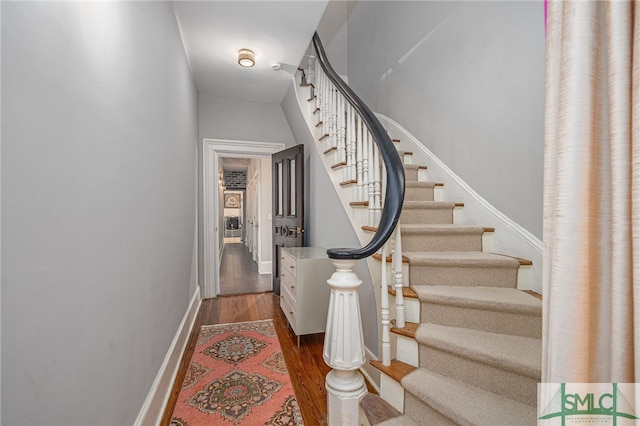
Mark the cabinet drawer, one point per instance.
(288, 281)
(288, 263)
(288, 307)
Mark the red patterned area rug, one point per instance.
(237, 376)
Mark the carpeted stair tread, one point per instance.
(413, 167)
(460, 268)
(441, 229)
(487, 298)
(419, 184)
(428, 205)
(520, 355)
(461, 259)
(465, 404)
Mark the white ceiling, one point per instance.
(277, 31)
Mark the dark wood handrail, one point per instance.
(394, 195)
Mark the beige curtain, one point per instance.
(591, 279)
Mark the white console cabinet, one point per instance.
(304, 292)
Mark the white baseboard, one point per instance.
(156, 401)
(265, 267)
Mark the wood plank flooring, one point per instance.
(239, 273)
(306, 365)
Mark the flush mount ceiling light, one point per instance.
(246, 58)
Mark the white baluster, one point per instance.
(351, 146)
(397, 278)
(339, 128)
(377, 191)
(334, 119)
(323, 103)
(359, 150)
(365, 164)
(384, 309)
(344, 347)
(311, 71)
(370, 180)
(343, 129)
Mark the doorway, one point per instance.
(214, 151)
(244, 267)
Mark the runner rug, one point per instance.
(237, 376)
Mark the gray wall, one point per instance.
(222, 118)
(231, 119)
(99, 137)
(327, 224)
(465, 78)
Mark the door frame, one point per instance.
(212, 150)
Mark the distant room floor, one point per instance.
(239, 273)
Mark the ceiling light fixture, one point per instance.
(246, 58)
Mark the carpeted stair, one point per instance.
(470, 353)
(478, 336)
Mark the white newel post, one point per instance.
(344, 347)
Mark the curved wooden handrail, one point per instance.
(394, 196)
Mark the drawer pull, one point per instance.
(292, 287)
(282, 258)
(282, 275)
(291, 266)
(290, 312)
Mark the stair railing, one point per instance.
(360, 146)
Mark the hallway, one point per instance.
(239, 273)
(306, 365)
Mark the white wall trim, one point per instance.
(212, 150)
(510, 238)
(156, 401)
(265, 267)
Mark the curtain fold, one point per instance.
(591, 319)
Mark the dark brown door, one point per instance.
(288, 204)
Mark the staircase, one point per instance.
(468, 346)
(471, 352)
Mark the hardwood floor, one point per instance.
(239, 273)
(306, 365)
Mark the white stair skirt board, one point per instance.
(407, 350)
(392, 392)
(156, 401)
(513, 238)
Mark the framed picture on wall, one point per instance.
(232, 201)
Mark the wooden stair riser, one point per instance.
(481, 319)
(484, 376)
(427, 216)
(462, 276)
(423, 413)
(441, 242)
